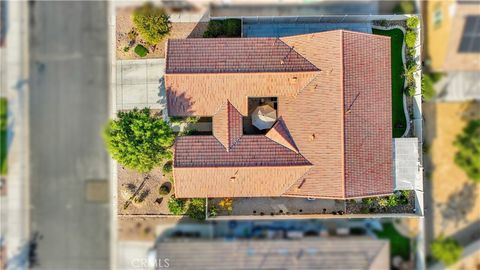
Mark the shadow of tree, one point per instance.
(458, 205)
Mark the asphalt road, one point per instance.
(68, 107)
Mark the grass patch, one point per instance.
(399, 123)
(399, 245)
(3, 135)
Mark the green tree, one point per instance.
(138, 140)
(446, 250)
(152, 23)
(468, 154)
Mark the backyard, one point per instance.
(399, 122)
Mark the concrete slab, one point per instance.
(140, 84)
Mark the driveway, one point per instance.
(140, 84)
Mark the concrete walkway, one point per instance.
(14, 86)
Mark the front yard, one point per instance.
(125, 48)
(399, 122)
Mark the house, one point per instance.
(329, 92)
(453, 47)
(306, 253)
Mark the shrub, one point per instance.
(404, 7)
(126, 49)
(152, 23)
(412, 22)
(141, 51)
(228, 27)
(176, 119)
(383, 201)
(215, 28)
(164, 189)
(167, 167)
(213, 212)
(411, 52)
(409, 72)
(196, 209)
(410, 39)
(392, 201)
(411, 90)
(233, 27)
(176, 206)
(132, 35)
(468, 154)
(428, 91)
(446, 250)
(226, 204)
(138, 140)
(368, 201)
(192, 120)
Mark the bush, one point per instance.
(213, 212)
(196, 209)
(412, 22)
(126, 49)
(368, 201)
(446, 250)
(392, 201)
(164, 189)
(132, 35)
(152, 23)
(383, 201)
(176, 206)
(233, 27)
(141, 51)
(220, 28)
(428, 91)
(468, 154)
(404, 7)
(410, 39)
(411, 52)
(167, 167)
(176, 119)
(409, 72)
(411, 90)
(138, 140)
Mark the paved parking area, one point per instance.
(140, 84)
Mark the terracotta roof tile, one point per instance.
(249, 151)
(227, 55)
(348, 146)
(279, 133)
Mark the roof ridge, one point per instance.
(299, 54)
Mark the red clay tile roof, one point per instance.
(227, 125)
(279, 133)
(248, 151)
(227, 55)
(349, 146)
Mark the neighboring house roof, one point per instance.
(317, 253)
(334, 120)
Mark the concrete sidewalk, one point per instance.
(15, 88)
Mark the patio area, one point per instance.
(274, 206)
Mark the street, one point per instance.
(68, 106)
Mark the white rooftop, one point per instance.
(407, 164)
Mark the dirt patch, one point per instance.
(143, 228)
(456, 202)
(124, 24)
(148, 200)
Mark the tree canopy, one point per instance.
(138, 140)
(468, 154)
(153, 23)
(446, 250)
